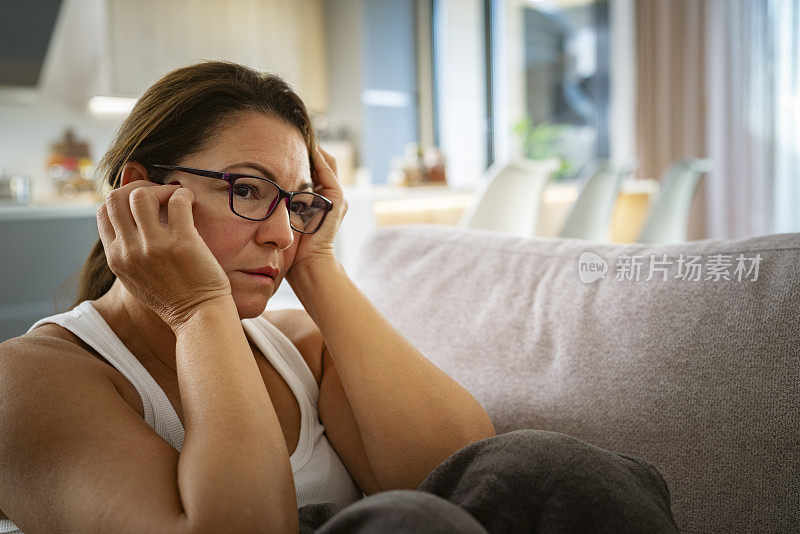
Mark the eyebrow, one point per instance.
(305, 184)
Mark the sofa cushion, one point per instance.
(697, 376)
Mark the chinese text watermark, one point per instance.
(687, 267)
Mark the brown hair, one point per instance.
(177, 116)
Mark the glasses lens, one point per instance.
(306, 212)
(254, 198)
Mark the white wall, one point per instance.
(461, 89)
(26, 134)
(622, 106)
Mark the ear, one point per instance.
(133, 171)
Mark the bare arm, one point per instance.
(411, 414)
(76, 458)
(234, 467)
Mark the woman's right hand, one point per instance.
(164, 264)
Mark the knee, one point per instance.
(570, 453)
(557, 463)
(403, 511)
(529, 456)
(525, 449)
(532, 439)
(546, 473)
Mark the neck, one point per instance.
(139, 328)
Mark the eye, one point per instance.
(242, 190)
(299, 206)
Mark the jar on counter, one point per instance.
(15, 188)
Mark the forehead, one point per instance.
(261, 140)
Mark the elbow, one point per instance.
(478, 429)
(473, 423)
(490, 430)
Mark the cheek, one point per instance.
(225, 246)
(222, 237)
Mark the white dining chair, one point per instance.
(591, 213)
(668, 219)
(509, 195)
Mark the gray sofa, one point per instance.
(700, 377)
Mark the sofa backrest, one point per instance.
(696, 369)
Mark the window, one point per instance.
(550, 72)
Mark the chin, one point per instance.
(250, 304)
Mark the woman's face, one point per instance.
(250, 141)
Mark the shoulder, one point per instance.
(48, 343)
(51, 352)
(31, 366)
(299, 327)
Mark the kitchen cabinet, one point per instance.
(42, 250)
(147, 38)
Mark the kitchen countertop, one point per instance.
(17, 212)
(50, 207)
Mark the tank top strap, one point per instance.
(287, 352)
(289, 363)
(86, 322)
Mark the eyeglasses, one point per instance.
(255, 198)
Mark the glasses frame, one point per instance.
(231, 178)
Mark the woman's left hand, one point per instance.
(317, 248)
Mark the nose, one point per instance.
(276, 228)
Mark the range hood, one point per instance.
(26, 29)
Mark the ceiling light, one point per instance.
(111, 105)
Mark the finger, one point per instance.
(325, 174)
(179, 210)
(119, 213)
(330, 160)
(119, 209)
(145, 205)
(104, 226)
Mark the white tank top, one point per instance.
(319, 474)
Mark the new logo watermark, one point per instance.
(591, 267)
(691, 268)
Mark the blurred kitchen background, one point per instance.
(607, 120)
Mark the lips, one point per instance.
(272, 272)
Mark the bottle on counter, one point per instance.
(435, 163)
(421, 165)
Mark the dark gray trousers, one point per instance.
(522, 481)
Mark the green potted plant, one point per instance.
(543, 141)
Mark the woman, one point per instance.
(167, 400)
